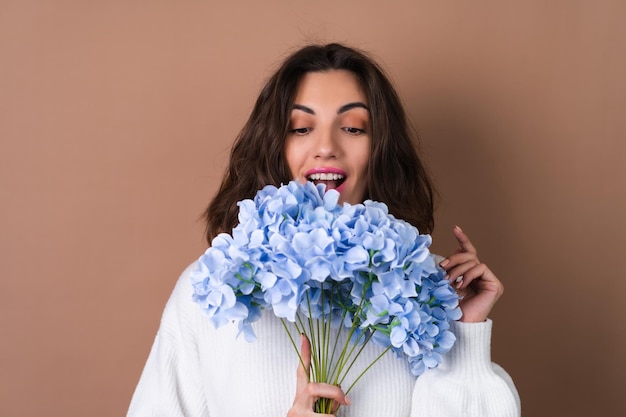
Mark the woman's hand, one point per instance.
(307, 393)
(473, 280)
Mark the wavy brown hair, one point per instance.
(396, 176)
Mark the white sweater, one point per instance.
(197, 370)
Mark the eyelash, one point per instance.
(354, 131)
(300, 131)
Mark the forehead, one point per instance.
(330, 87)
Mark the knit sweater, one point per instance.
(196, 370)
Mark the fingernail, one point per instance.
(444, 263)
(458, 228)
(347, 400)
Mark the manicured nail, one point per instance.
(444, 263)
(458, 228)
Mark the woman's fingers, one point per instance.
(478, 287)
(462, 261)
(469, 275)
(318, 390)
(465, 245)
(458, 265)
(305, 366)
(480, 290)
(307, 393)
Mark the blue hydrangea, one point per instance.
(297, 251)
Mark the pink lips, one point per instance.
(325, 170)
(328, 170)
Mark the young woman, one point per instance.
(328, 115)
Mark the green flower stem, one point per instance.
(342, 358)
(367, 369)
(321, 340)
(353, 357)
(346, 354)
(293, 343)
(325, 365)
(315, 359)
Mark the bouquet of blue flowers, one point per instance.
(327, 268)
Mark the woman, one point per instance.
(329, 114)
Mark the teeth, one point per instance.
(325, 177)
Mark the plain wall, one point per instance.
(116, 119)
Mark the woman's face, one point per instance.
(328, 140)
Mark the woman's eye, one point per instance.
(353, 130)
(301, 130)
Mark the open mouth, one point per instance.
(331, 179)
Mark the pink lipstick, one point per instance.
(334, 178)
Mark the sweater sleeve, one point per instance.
(171, 383)
(467, 383)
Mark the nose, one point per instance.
(326, 146)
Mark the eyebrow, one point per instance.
(350, 106)
(342, 109)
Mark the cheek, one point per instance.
(292, 156)
(362, 159)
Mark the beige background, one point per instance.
(115, 123)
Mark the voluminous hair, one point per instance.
(396, 175)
